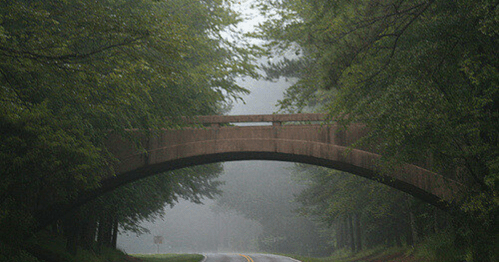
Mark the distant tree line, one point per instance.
(356, 213)
(97, 224)
(264, 192)
(316, 211)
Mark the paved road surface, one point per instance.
(221, 257)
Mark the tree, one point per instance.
(362, 213)
(71, 72)
(422, 76)
(146, 199)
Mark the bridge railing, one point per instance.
(275, 119)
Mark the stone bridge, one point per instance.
(300, 138)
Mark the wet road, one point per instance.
(221, 257)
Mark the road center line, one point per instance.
(247, 258)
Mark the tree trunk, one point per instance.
(114, 240)
(358, 235)
(351, 233)
(340, 242)
(435, 221)
(408, 235)
(71, 231)
(414, 228)
(400, 231)
(398, 238)
(88, 233)
(108, 232)
(104, 232)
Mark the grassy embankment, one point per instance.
(169, 258)
(371, 255)
(47, 246)
(51, 247)
(435, 248)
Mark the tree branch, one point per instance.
(33, 55)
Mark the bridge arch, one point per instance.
(304, 139)
(414, 180)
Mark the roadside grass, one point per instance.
(169, 257)
(52, 247)
(441, 247)
(363, 256)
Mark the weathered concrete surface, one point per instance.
(319, 144)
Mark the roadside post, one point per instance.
(158, 240)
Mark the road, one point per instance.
(221, 257)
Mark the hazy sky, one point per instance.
(264, 94)
(262, 99)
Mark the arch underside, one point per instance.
(421, 183)
(416, 181)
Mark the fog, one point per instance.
(189, 227)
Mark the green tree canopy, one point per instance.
(421, 74)
(73, 71)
